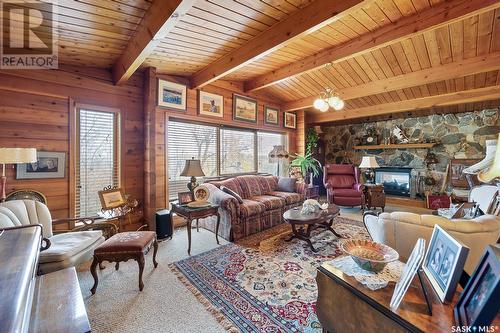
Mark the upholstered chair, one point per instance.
(343, 187)
(485, 196)
(66, 249)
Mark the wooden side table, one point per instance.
(374, 196)
(312, 192)
(191, 214)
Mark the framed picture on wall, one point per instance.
(290, 120)
(49, 164)
(172, 95)
(210, 104)
(244, 108)
(271, 115)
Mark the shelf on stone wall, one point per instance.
(396, 146)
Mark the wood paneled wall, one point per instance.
(35, 111)
(163, 115)
(301, 132)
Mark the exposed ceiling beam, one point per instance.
(302, 22)
(158, 20)
(454, 70)
(459, 97)
(432, 18)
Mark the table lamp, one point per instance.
(192, 169)
(276, 155)
(14, 156)
(368, 163)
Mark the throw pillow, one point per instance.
(286, 184)
(231, 192)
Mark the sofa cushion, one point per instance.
(267, 184)
(233, 193)
(286, 184)
(67, 245)
(251, 208)
(250, 186)
(230, 183)
(271, 202)
(290, 197)
(341, 181)
(346, 192)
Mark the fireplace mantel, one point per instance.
(396, 146)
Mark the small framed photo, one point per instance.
(271, 116)
(244, 108)
(410, 269)
(478, 303)
(290, 120)
(444, 263)
(185, 197)
(49, 164)
(172, 95)
(112, 198)
(210, 104)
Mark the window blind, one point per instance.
(265, 143)
(237, 151)
(184, 141)
(97, 162)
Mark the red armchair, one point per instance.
(342, 185)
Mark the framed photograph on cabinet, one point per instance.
(49, 164)
(244, 108)
(172, 95)
(210, 104)
(444, 263)
(112, 198)
(290, 120)
(271, 116)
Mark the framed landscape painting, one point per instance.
(244, 108)
(457, 176)
(290, 120)
(210, 104)
(172, 95)
(49, 164)
(271, 116)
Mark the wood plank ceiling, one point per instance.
(439, 35)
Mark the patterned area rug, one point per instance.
(264, 284)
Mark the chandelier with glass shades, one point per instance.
(328, 99)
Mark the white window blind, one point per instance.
(265, 143)
(97, 162)
(237, 151)
(184, 141)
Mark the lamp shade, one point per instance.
(192, 169)
(493, 171)
(277, 153)
(369, 162)
(484, 164)
(17, 155)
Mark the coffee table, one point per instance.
(322, 219)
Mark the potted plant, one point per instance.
(309, 166)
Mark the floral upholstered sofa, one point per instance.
(262, 205)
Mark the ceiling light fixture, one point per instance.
(328, 99)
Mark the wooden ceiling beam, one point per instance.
(158, 20)
(300, 23)
(442, 14)
(459, 97)
(454, 70)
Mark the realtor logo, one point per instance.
(28, 35)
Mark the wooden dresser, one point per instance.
(31, 303)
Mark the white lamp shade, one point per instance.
(324, 108)
(484, 164)
(17, 155)
(493, 172)
(320, 104)
(339, 105)
(332, 101)
(369, 162)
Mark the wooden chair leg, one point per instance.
(117, 265)
(155, 246)
(140, 261)
(93, 271)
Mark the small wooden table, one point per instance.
(374, 196)
(321, 219)
(191, 213)
(312, 192)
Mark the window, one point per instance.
(187, 140)
(237, 151)
(97, 161)
(265, 143)
(221, 150)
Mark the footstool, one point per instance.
(122, 247)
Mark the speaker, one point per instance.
(164, 225)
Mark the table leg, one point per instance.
(329, 227)
(117, 265)
(155, 246)
(94, 274)
(189, 235)
(307, 237)
(217, 228)
(140, 261)
(197, 225)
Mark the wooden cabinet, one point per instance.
(312, 192)
(374, 196)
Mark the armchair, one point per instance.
(66, 248)
(342, 185)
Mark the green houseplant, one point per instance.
(309, 166)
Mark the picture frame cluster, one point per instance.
(173, 96)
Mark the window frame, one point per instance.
(74, 146)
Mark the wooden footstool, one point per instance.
(122, 247)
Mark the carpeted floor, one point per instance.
(265, 288)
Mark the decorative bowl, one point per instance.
(369, 255)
